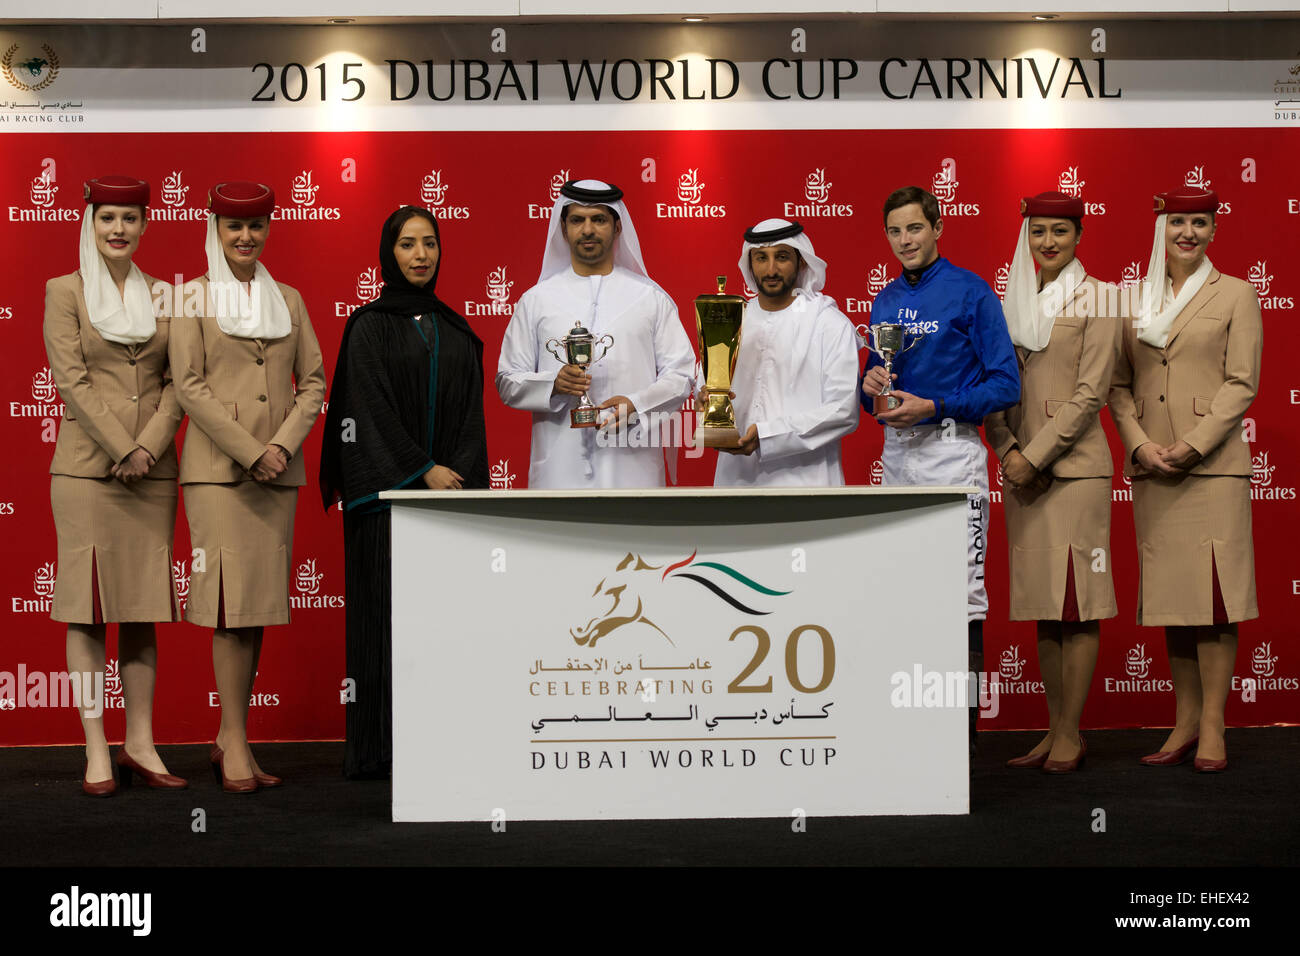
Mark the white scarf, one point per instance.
(260, 313)
(556, 258)
(1157, 291)
(125, 318)
(1031, 313)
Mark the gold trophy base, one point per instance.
(885, 403)
(719, 436)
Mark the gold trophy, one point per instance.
(717, 320)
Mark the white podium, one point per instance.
(679, 653)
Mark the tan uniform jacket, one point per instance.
(1198, 387)
(240, 394)
(116, 397)
(1057, 423)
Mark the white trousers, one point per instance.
(947, 455)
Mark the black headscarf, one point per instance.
(399, 297)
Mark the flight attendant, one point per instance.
(113, 477)
(1056, 463)
(1187, 374)
(250, 375)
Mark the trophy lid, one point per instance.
(720, 295)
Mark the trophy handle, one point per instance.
(552, 346)
(605, 341)
(916, 340)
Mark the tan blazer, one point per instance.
(1057, 424)
(240, 394)
(1198, 387)
(116, 397)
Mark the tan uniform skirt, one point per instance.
(244, 535)
(115, 543)
(1066, 526)
(1185, 527)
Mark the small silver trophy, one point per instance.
(887, 341)
(578, 346)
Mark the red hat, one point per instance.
(241, 200)
(1187, 199)
(1052, 204)
(117, 191)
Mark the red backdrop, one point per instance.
(493, 190)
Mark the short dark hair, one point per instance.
(913, 194)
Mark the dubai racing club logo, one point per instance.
(43, 189)
(174, 190)
(1137, 662)
(304, 190)
(689, 188)
(622, 595)
(500, 476)
(433, 191)
(1070, 183)
(33, 73)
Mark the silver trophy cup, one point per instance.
(888, 340)
(578, 346)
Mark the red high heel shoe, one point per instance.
(1068, 766)
(100, 788)
(266, 780)
(1170, 758)
(244, 785)
(1028, 761)
(157, 781)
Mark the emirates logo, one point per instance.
(944, 184)
(433, 191)
(368, 284)
(1132, 275)
(113, 677)
(1070, 183)
(500, 475)
(1001, 279)
(43, 189)
(1260, 278)
(181, 578)
(1261, 472)
(307, 579)
(877, 472)
(816, 188)
(43, 580)
(303, 192)
(173, 191)
(689, 188)
(498, 288)
(557, 183)
(1196, 178)
(877, 279)
(1136, 661)
(43, 389)
(1011, 665)
(1262, 660)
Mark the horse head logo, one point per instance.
(689, 188)
(433, 191)
(816, 188)
(620, 601)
